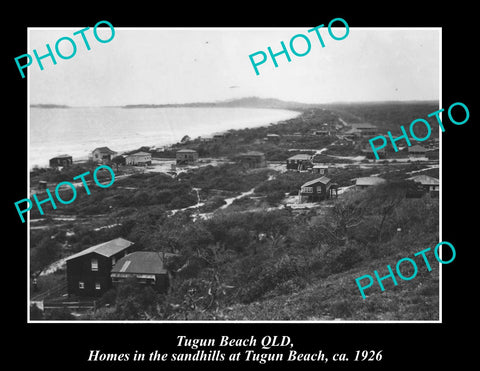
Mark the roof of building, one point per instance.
(362, 126)
(106, 249)
(273, 135)
(251, 153)
(186, 151)
(300, 157)
(104, 149)
(142, 262)
(320, 166)
(139, 154)
(371, 180)
(417, 148)
(425, 179)
(323, 180)
(61, 156)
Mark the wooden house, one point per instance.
(139, 159)
(368, 153)
(103, 154)
(315, 190)
(146, 267)
(252, 160)
(61, 160)
(88, 271)
(417, 151)
(273, 138)
(299, 162)
(364, 129)
(320, 169)
(366, 182)
(186, 157)
(427, 184)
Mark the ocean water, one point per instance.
(78, 131)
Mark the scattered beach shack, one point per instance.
(186, 157)
(103, 154)
(146, 267)
(427, 184)
(417, 151)
(320, 169)
(273, 138)
(366, 182)
(139, 159)
(88, 271)
(315, 190)
(299, 162)
(368, 153)
(61, 160)
(252, 160)
(364, 129)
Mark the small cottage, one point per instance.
(364, 129)
(366, 182)
(427, 184)
(252, 160)
(299, 162)
(186, 157)
(320, 169)
(417, 151)
(103, 154)
(315, 190)
(368, 153)
(273, 138)
(146, 267)
(139, 159)
(61, 160)
(88, 271)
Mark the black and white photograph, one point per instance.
(235, 196)
(200, 187)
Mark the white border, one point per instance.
(440, 320)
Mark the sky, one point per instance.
(179, 65)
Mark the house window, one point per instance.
(97, 286)
(94, 264)
(81, 285)
(114, 260)
(307, 190)
(319, 190)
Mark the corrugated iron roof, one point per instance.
(142, 262)
(107, 249)
(140, 154)
(103, 149)
(425, 179)
(323, 180)
(300, 157)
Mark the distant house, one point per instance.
(322, 133)
(252, 159)
(299, 162)
(274, 138)
(146, 267)
(61, 160)
(320, 169)
(365, 129)
(366, 182)
(368, 152)
(88, 272)
(417, 151)
(315, 190)
(103, 154)
(427, 183)
(187, 157)
(139, 158)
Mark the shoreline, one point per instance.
(125, 147)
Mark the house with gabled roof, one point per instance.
(366, 182)
(427, 184)
(88, 271)
(145, 267)
(139, 159)
(103, 154)
(316, 190)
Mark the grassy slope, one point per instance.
(338, 297)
